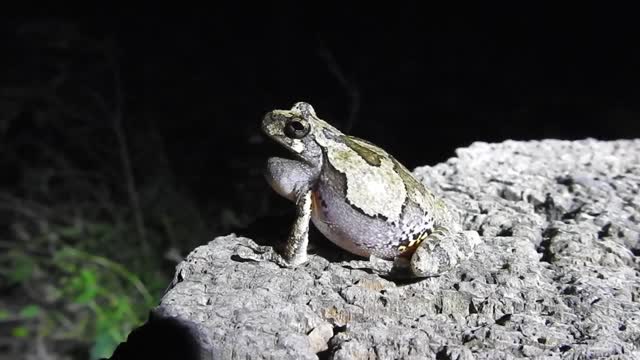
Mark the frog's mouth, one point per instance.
(280, 149)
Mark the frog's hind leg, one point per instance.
(440, 252)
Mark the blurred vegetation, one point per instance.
(92, 222)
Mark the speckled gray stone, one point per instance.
(555, 277)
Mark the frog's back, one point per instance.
(366, 202)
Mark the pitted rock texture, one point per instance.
(556, 276)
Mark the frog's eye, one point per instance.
(297, 129)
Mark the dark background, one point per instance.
(417, 81)
(147, 124)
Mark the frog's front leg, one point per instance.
(295, 252)
(293, 180)
(440, 252)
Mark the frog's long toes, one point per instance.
(285, 262)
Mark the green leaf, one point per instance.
(4, 314)
(88, 284)
(122, 307)
(103, 346)
(100, 229)
(20, 332)
(70, 231)
(23, 267)
(64, 259)
(30, 311)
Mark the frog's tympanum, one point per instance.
(359, 197)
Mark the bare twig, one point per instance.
(125, 156)
(41, 349)
(349, 86)
(25, 207)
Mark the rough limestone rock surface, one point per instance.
(556, 276)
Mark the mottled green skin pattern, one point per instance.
(363, 199)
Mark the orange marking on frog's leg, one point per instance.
(315, 200)
(406, 250)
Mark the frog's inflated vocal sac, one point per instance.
(359, 197)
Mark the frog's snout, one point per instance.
(268, 123)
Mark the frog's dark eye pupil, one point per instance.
(296, 129)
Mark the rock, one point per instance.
(555, 276)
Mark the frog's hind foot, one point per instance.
(442, 251)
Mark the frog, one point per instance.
(360, 198)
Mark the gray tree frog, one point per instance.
(360, 198)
